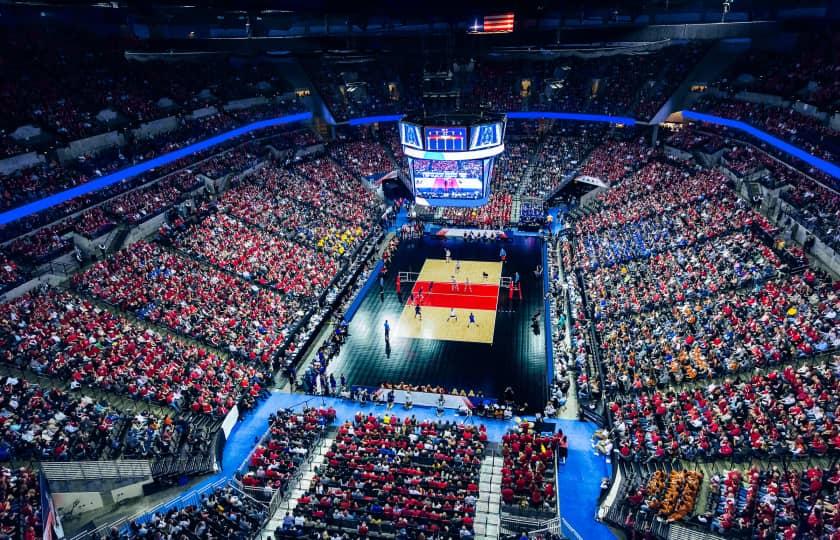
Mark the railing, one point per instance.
(96, 470)
(278, 496)
(681, 532)
(61, 268)
(193, 497)
(552, 526)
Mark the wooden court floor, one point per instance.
(448, 292)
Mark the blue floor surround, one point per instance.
(579, 479)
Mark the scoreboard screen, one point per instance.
(486, 135)
(410, 135)
(439, 181)
(446, 139)
(451, 156)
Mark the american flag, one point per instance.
(493, 24)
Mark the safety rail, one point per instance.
(552, 526)
(682, 532)
(145, 515)
(278, 496)
(96, 470)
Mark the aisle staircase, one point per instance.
(525, 181)
(487, 514)
(515, 209)
(303, 484)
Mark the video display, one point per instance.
(485, 136)
(410, 135)
(448, 180)
(446, 139)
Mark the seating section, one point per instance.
(530, 468)
(807, 132)
(731, 420)
(323, 183)
(807, 67)
(613, 159)
(42, 246)
(257, 201)
(493, 215)
(292, 436)
(395, 476)
(817, 208)
(48, 424)
(364, 158)
(60, 335)
(674, 496)
(706, 333)
(562, 151)
(223, 513)
(179, 293)
(10, 274)
(20, 515)
(654, 496)
(762, 502)
(230, 244)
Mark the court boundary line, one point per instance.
(501, 275)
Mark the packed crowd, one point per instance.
(203, 303)
(809, 133)
(60, 335)
(787, 412)
(20, 513)
(734, 331)
(774, 503)
(322, 183)
(364, 158)
(643, 237)
(562, 151)
(690, 139)
(49, 424)
(296, 270)
(680, 276)
(682, 285)
(613, 159)
(41, 246)
(817, 208)
(292, 436)
(257, 201)
(410, 478)
(224, 513)
(232, 161)
(10, 274)
(670, 496)
(529, 467)
(493, 215)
